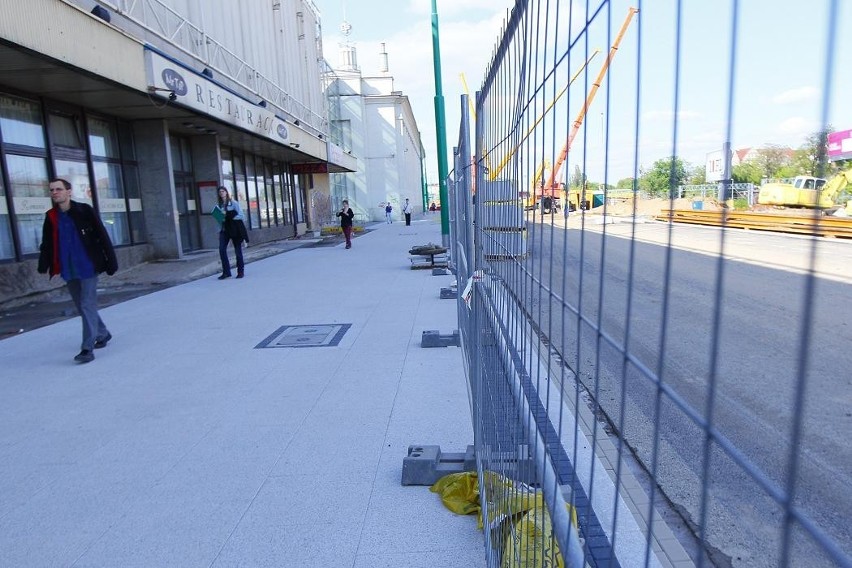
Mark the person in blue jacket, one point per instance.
(76, 246)
(231, 229)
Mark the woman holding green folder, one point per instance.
(229, 215)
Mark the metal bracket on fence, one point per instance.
(425, 465)
(432, 338)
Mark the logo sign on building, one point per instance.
(840, 145)
(197, 92)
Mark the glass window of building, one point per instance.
(111, 201)
(108, 179)
(132, 187)
(28, 189)
(103, 138)
(240, 192)
(252, 210)
(287, 203)
(133, 190)
(65, 131)
(262, 198)
(7, 246)
(20, 122)
(299, 193)
(273, 191)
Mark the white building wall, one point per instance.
(276, 38)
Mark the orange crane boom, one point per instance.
(557, 165)
(493, 175)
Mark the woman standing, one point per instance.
(346, 216)
(231, 228)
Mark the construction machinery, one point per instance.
(808, 191)
(578, 122)
(536, 198)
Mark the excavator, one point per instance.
(810, 192)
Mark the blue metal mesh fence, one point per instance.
(647, 393)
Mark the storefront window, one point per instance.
(65, 131)
(20, 122)
(111, 203)
(263, 201)
(286, 203)
(299, 193)
(103, 138)
(252, 211)
(271, 190)
(240, 192)
(28, 188)
(125, 138)
(7, 248)
(134, 202)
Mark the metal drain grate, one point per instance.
(324, 335)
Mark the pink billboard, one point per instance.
(840, 145)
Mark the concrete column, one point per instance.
(207, 171)
(159, 207)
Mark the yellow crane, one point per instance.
(554, 173)
(496, 172)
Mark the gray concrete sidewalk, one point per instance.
(184, 444)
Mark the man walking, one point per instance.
(76, 246)
(406, 209)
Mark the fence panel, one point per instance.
(644, 393)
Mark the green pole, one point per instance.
(440, 131)
(424, 187)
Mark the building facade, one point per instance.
(146, 108)
(377, 125)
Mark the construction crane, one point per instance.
(560, 160)
(496, 172)
(530, 198)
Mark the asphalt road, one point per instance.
(751, 342)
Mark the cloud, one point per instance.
(797, 126)
(800, 95)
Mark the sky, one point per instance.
(780, 73)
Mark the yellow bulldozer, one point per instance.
(810, 192)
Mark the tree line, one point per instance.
(769, 162)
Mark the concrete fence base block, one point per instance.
(449, 293)
(424, 465)
(440, 272)
(433, 338)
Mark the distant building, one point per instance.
(714, 166)
(376, 125)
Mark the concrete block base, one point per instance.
(449, 293)
(433, 338)
(425, 465)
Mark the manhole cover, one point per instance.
(324, 335)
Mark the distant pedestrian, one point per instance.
(232, 229)
(433, 207)
(406, 209)
(346, 215)
(388, 210)
(76, 246)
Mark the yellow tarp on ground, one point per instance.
(517, 516)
